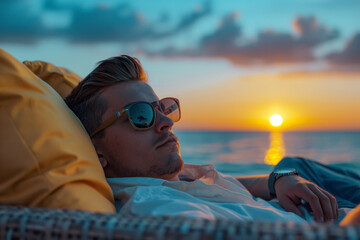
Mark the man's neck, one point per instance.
(173, 179)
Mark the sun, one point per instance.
(276, 120)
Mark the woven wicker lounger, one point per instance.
(34, 223)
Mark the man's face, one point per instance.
(127, 152)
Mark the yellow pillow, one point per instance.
(61, 79)
(46, 156)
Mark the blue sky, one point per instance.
(189, 45)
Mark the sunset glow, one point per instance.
(277, 149)
(246, 104)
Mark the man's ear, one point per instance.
(103, 161)
(101, 157)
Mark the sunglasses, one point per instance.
(142, 115)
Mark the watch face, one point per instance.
(284, 170)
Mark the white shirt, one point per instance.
(211, 195)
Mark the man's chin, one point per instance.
(170, 170)
(175, 165)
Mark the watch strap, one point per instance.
(271, 184)
(274, 176)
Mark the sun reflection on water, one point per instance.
(276, 150)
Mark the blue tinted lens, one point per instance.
(142, 115)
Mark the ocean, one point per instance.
(247, 153)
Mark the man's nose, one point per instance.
(163, 123)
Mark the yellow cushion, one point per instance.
(46, 156)
(61, 79)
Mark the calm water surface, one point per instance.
(241, 153)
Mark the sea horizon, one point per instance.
(256, 152)
(265, 131)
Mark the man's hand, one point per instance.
(290, 190)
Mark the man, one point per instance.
(131, 130)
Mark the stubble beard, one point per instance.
(173, 166)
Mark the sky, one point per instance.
(233, 64)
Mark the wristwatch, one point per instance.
(276, 174)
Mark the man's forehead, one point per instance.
(126, 92)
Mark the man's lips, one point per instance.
(168, 140)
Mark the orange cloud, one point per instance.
(270, 47)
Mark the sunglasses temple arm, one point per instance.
(105, 124)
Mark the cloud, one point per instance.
(270, 47)
(121, 23)
(19, 24)
(223, 40)
(274, 47)
(350, 56)
(311, 32)
(191, 18)
(217, 44)
(101, 24)
(124, 24)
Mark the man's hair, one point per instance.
(84, 99)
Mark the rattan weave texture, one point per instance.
(34, 223)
